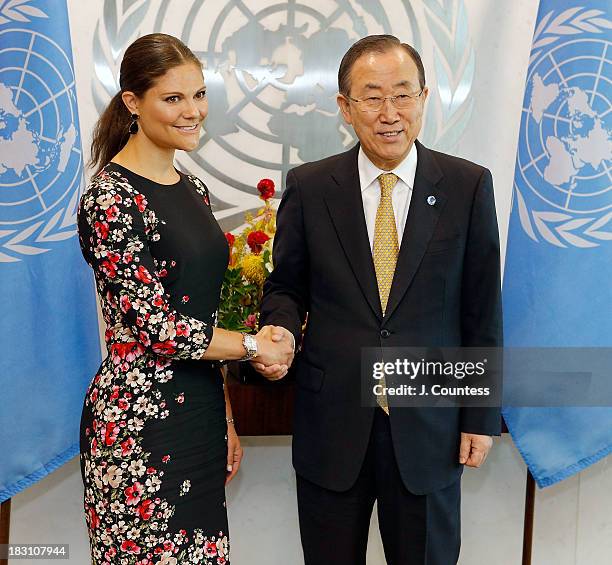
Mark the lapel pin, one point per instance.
(431, 200)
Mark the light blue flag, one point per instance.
(558, 270)
(48, 321)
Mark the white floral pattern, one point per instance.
(126, 516)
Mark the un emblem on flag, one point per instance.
(40, 155)
(563, 179)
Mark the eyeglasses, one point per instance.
(375, 103)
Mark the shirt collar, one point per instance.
(368, 171)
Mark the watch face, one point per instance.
(250, 344)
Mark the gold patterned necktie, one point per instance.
(385, 250)
(386, 247)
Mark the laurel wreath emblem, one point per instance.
(454, 65)
(117, 28)
(569, 22)
(32, 240)
(19, 11)
(559, 228)
(563, 229)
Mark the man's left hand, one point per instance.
(474, 449)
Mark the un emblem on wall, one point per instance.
(40, 159)
(271, 74)
(563, 178)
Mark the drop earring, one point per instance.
(134, 124)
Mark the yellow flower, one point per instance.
(253, 268)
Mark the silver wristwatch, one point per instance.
(250, 346)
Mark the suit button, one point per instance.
(385, 333)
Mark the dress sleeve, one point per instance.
(114, 240)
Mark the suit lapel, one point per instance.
(420, 225)
(345, 207)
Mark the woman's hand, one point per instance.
(234, 453)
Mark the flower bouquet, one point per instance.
(250, 264)
(267, 408)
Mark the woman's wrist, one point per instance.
(225, 344)
(250, 345)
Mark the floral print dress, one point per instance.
(153, 429)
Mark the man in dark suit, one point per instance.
(387, 245)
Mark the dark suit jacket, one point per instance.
(445, 292)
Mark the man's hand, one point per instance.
(276, 371)
(474, 449)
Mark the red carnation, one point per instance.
(266, 188)
(230, 239)
(256, 239)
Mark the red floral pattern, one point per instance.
(126, 517)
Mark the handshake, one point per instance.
(275, 352)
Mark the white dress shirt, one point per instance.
(370, 190)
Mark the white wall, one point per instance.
(572, 519)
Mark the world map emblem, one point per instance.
(271, 73)
(40, 156)
(563, 180)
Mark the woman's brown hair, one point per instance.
(144, 61)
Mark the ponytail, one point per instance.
(110, 133)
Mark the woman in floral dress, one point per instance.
(157, 438)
